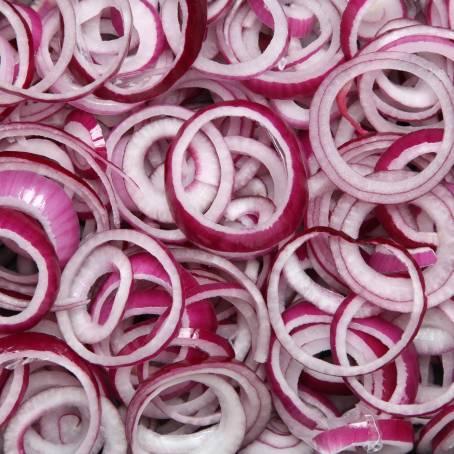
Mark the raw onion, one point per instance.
(226, 226)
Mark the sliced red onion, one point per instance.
(418, 309)
(159, 79)
(47, 203)
(372, 434)
(113, 437)
(25, 64)
(364, 18)
(300, 19)
(29, 237)
(276, 439)
(231, 430)
(217, 9)
(29, 129)
(166, 184)
(203, 230)
(13, 391)
(85, 127)
(303, 66)
(26, 162)
(77, 279)
(239, 68)
(43, 347)
(206, 258)
(438, 277)
(51, 73)
(381, 190)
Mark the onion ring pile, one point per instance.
(226, 226)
